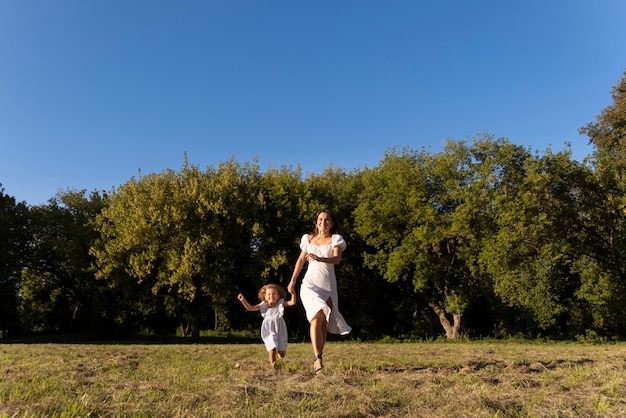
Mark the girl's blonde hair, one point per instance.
(278, 288)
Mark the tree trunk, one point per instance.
(184, 328)
(452, 329)
(195, 326)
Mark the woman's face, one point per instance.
(324, 222)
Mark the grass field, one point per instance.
(430, 379)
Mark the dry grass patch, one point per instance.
(435, 379)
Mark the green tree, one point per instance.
(13, 242)
(602, 263)
(184, 236)
(429, 217)
(531, 256)
(59, 291)
(280, 219)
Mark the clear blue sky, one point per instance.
(93, 91)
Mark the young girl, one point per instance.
(274, 327)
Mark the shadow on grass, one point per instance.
(222, 338)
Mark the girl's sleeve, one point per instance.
(304, 241)
(338, 241)
(281, 307)
(263, 308)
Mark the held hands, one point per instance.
(292, 301)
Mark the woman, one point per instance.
(318, 293)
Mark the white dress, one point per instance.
(274, 327)
(320, 284)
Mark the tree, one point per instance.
(184, 236)
(602, 262)
(13, 242)
(531, 256)
(429, 216)
(608, 132)
(58, 286)
(281, 219)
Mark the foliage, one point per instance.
(603, 226)
(13, 244)
(58, 287)
(430, 216)
(480, 239)
(531, 257)
(182, 236)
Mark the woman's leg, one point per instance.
(329, 302)
(318, 331)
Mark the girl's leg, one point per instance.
(281, 353)
(272, 354)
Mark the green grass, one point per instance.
(430, 379)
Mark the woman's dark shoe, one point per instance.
(318, 366)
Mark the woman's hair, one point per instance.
(335, 229)
(278, 288)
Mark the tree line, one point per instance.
(484, 238)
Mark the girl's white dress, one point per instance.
(274, 327)
(320, 284)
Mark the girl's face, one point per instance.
(324, 222)
(271, 296)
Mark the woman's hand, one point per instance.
(312, 257)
